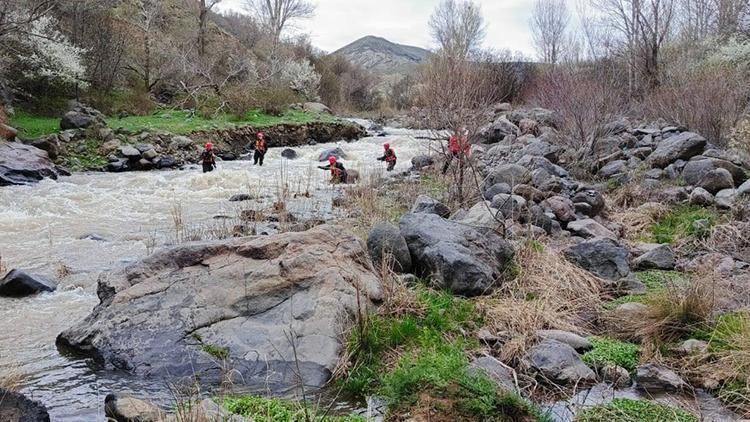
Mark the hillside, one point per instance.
(383, 57)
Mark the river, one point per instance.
(77, 227)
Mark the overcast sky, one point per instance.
(339, 22)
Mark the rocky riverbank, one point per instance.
(622, 269)
(85, 143)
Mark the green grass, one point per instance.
(444, 315)
(277, 410)
(609, 351)
(678, 224)
(654, 280)
(177, 122)
(221, 353)
(181, 123)
(84, 156)
(31, 127)
(626, 410)
(432, 347)
(726, 329)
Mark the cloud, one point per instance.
(339, 22)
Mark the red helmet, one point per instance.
(386, 146)
(332, 159)
(209, 146)
(260, 135)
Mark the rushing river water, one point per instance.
(51, 228)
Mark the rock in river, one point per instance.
(18, 283)
(24, 164)
(199, 308)
(455, 256)
(15, 407)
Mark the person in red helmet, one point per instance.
(260, 149)
(389, 157)
(208, 158)
(458, 147)
(338, 172)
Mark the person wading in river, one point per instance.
(389, 157)
(338, 172)
(260, 149)
(208, 158)
(458, 147)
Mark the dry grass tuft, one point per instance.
(637, 221)
(731, 238)
(549, 293)
(12, 380)
(673, 312)
(3, 267)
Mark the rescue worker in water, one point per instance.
(260, 149)
(208, 158)
(338, 172)
(389, 157)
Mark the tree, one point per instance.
(644, 26)
(204, 8)
(17, 15)
(278, 15)
(549, 23)
(458, 27)
(145, 16)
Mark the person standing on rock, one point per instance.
(208, 158)
(338, 172)
(458, 147)
(260, 149)
(389, 157)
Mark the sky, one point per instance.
(339, 22)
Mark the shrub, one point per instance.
(609, 351)
(626, 410)
(709, 99)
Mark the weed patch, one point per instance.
(683, 224)
(265, 409)
(84, 156)
(609, 351)
(31, 126)
(221, 353)
(626, 410)
(655, 281)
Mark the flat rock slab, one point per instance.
(246, 304)
(22, 164)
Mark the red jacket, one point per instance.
(456, 143)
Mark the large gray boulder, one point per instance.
(717, 180)
(511, 206)
(661, 257)
(498, 130)
(562, 207)
(602, 257)
(496, 371)
(589, 228)
(126, 408)
(82, 117)
(612, 169)
(18, 283)
(697, 168)
(332, 152)
(559, 363)
(196, 309)
(24, 164)
(679, 147)
(573, 340)
(481, 215)
(590, 202)
(316, 108)
(15, 407)
(656, 379)
(385, 240)
(454, 256)
(510, 174)
(426, 205)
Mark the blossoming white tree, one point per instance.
(52, 55)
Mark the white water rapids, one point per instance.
(42, 230)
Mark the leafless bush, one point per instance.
(709, 100)
(586, 98)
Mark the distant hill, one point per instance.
(383, 57)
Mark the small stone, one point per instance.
(18, 283)
(426, 205)
(124, 408)
(617, 375)
(701, 197)
(573, 340)
(692, 346)
(241, 197)
(659, 258)
(656, 379)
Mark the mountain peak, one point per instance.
(379, 55)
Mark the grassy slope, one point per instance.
(178, 122)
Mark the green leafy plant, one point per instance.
(609, 351)
(221, 353)
(278, 410)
